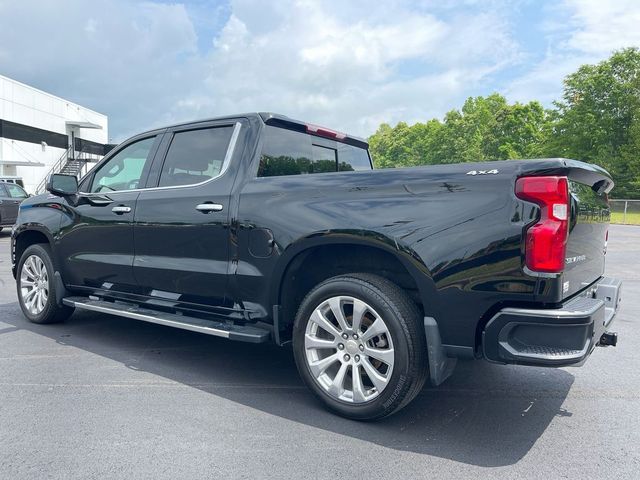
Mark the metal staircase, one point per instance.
(72, 167)
(70, 163)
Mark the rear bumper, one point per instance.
(554, 337)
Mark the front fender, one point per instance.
(43, 217)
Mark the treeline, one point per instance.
(597, 121)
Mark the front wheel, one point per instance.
(359, 347)
(36, 287)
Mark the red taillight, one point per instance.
(546, 241)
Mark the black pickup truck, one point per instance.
(261, 228)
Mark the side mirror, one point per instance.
(62, 185)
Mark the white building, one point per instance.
(37, 131)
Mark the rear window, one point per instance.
(286, 152)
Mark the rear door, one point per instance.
(182, 227)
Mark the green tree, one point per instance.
(598, 119)
(486, 128)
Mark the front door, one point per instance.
(96, 243)
(181, 228)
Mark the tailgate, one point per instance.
(588, 227)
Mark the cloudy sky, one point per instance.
(347, 64)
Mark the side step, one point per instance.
(209, 327)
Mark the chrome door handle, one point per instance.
(120, 209)
(209, 207)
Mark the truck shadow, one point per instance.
(485, 415)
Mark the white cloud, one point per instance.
(314, 61)
(349, 65)
(603, 26)
(129, 60)
(590, 31)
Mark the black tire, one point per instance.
(400, 314)
(52, 312)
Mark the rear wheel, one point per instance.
(359, 346)
(36, 287)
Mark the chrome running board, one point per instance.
(209, 327)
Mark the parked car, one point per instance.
(11, 195)
(12, 179)
(261, 228)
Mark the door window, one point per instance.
(16, 191)
(124, 170)
(195, 156)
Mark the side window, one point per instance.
(286, 152)
(3, 191)
(124, 170)
(16, 191)
(195, 156)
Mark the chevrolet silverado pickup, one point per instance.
(260, 228)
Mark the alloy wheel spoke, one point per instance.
(36, 266)
(377, 328)
(337, 386)
(29, 295)
(336, 307)
(36, 301)
(29, 268)
(378, 380)
(318, 318)
(311, 341)
(30, 302)
(320, 366)
(42, 300)
(359, 309)
(384, 355)
(358, 388)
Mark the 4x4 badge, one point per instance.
(483, 172)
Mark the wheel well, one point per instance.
(314, 265)
(25, 240)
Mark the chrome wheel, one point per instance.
(348, 349)
(34, 284)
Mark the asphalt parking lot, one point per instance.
(106, 397)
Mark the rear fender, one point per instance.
(404, 254)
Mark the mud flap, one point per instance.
(61, 291)
(440, 366)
